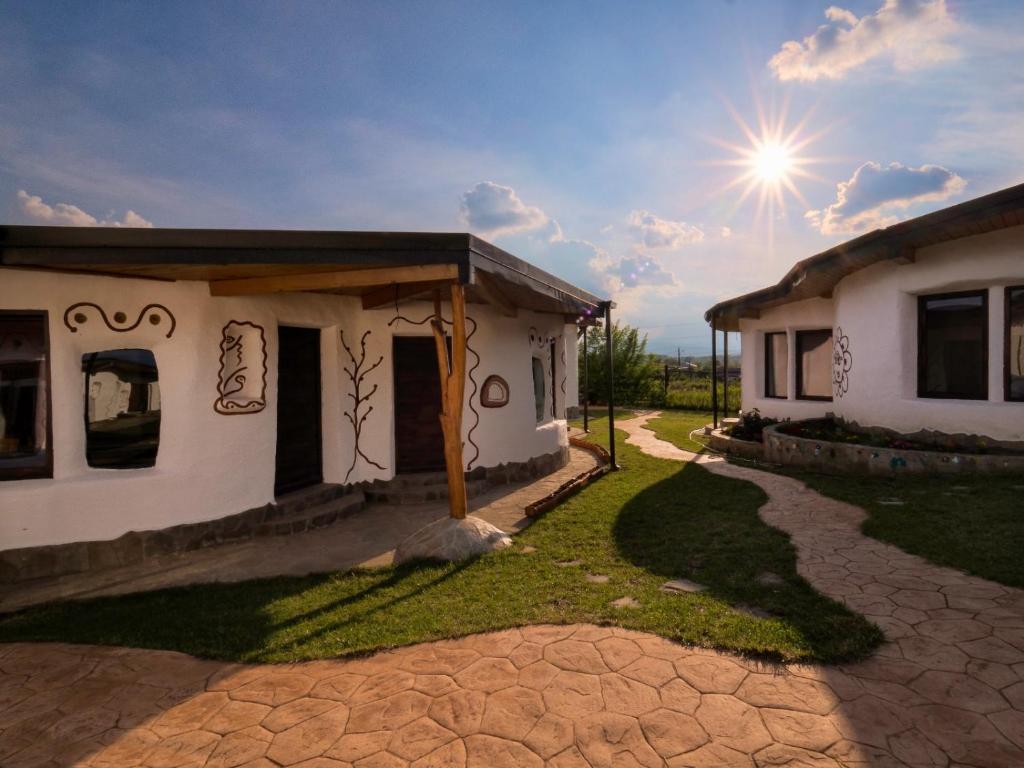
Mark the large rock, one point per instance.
(451, 539)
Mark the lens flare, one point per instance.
(770, 161)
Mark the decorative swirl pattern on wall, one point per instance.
(539, 341)
(79, 318)
(356, 375)
(243, 351)
(470, 373)
(842, 363)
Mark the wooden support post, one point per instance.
(452, 369)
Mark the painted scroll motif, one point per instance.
(242, 379)
(77, 315)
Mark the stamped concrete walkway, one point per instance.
(366, 539)
(947, 690)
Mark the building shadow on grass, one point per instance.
(705, 528)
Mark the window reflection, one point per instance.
(538, 388)
(122, 402)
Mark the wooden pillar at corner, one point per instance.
(452, 369)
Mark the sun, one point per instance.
(770, 161)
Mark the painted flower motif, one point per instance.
(842, 362)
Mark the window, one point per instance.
(814, 365)
(24, 396)
(776, 365)
(122, 409)
(538, 388)
(1015, 343)
(952, 346)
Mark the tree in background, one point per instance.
(636, 371)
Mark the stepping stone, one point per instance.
(597, 578)
(626, 602)
(768, 579)
(527, 549)
(682, 585)
(891, 502)
(752, 611)
(569, 563)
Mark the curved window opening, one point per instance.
(122, 409)
(538, 388)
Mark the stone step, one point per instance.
(312, 516)
(405, 490)
(313, 496)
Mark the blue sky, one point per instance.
(591, 138)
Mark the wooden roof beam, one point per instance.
(392, 294)
(488, 288)
(329, 281)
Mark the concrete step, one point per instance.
(314, 495)
(419, 488)
(305, 517)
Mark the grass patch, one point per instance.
(676, 427)
(974, 524)
(649, 522)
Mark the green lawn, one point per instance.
(651, 521)
(975, 524)
(674, 426)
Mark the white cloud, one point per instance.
(875, 196)
(65, 214)
(492, 209)
(637, 270)
(654, 232)
(910, 33)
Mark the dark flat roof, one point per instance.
(224, 254)
(819, 274)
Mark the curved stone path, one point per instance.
(946, 690)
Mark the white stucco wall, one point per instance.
(210, 465)
(809, 315)
(876, 308)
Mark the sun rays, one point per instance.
(771, 161)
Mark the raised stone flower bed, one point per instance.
(852, 458)
(733, 446)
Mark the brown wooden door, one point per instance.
(299, 461)
(419, 443)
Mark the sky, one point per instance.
(664, 154)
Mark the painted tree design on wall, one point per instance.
(842, 362)
(357, 417)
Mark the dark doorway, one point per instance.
(298, 409)
(419, 443)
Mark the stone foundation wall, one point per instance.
(846, 458)
(269, 520)
(731, 446)
(522, 471)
